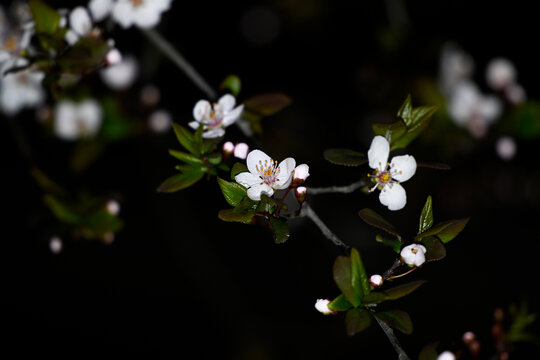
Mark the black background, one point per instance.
(179, 283)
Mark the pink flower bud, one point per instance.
(322, 306)
(113, 57)
(376, 280)
(301, 173)
(301, 192)
(113, 207)
(241, 150)
(446, 355)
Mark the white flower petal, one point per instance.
(227, 102)
(100, 9)
(146, 17)
(413, 254)
(393, 196)
(123, 13)
(301, 172)
(65, 126)
(232, 116)
(253, 159)
(403, 167)
(201, 110)
(162, 5)
(213, 133)
(255, 192)
(378, 153)
(122, 75)
(79, 21)
(194, 124)
(286, 168)
(71, 37)
(91, 114)
(247, 179)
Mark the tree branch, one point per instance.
(308, 211)
(336, 189)
(393, 339)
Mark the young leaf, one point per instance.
(181, 181)
(435, 249)
(394, 293)
(281, 230)
(405, 111)
(357, 320)
(186, 138)
(46, 19)
(185, 157)
(393, 131)
(426, 218)
(345, 157)
(231, 83)
(394, 243)
(340, 303)
(61, 210)
(446, 230)
(342, 277)
(374, 219)
(267, 104)
(359, 279)
(232, 191)
(429, 352)
(375, 297)
(237, 169)
(397, 319)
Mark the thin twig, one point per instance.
(336, 189)
(163, 45)
(308, 211)
(402, 355)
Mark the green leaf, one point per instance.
(343, 279)
(446, 230)
(345, 157)
(85, 153)
(237, 169)
(267, 104)
(340, 303)
(232, 191)
(426, 218)
(187, 139)
(375, 297)
(243, 212)
(85, 56)
(231, 83)
(394, 293)
(393, 131)
(429, 352)
(398, 319)
(435, 249)
(281, 230)
(99, 223)
(61, 210)
(359, 278)
(266, 205)
(46, 19)
(374, 219)
(405, 111)
(185, 157)
(181, 181)
(394, 243)
(214, 158)
(357, 320)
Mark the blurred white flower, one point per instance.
(142, 13)
(100, 9)
(241, 150)
(455, 66)
(265, 175)
(413, 255)
(216, 117)
(446, 355)
(20, 89)
(80, 25)
(122, 75)
(500, 73)
(322, 306)
(150, 95)
(113, 57)
(73, 121)
(388, 176)
(506, 148)
(113, 207)
(15, 32)
(55, 245)
(515, 93)
(376, 280)
(160, 121)
(228, 148)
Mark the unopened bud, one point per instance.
(322, 306)
(376, 280)
(413, 255)
(228, 149)
(468, 337)
(300, 192)
(241, 150)
(113, 57)
(500, 73)
(55, 245)
(300, 174)
(160, 121)
(446, 355)
(506, 148)
(113, 207)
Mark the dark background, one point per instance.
(179, 283)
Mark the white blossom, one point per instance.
(506, 147)
(414, 254)
(446, 355)
(500, 73)
(142, 13)
(73, 121)
(160, 121)
(20, 89)
(455, 67)
(322, 306)
(121, 75)
(265, 175)
(100, 9)
(80, 25)
(113, 207)
(389, 175)
(216, 117)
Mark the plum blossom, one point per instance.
(215, 117)
(413, 255)
(265, 175)
(72, 121)
(100, 9)
(141, 13)
(122, 74)
(376, 280)
(389, 175)
(301, 173)
(80, 25)
(322, 306)
(20, 89)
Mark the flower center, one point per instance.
(215, 117)
(268, 171)
(10, 43)
(383, 178)
(414, 251)
(137, 2)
